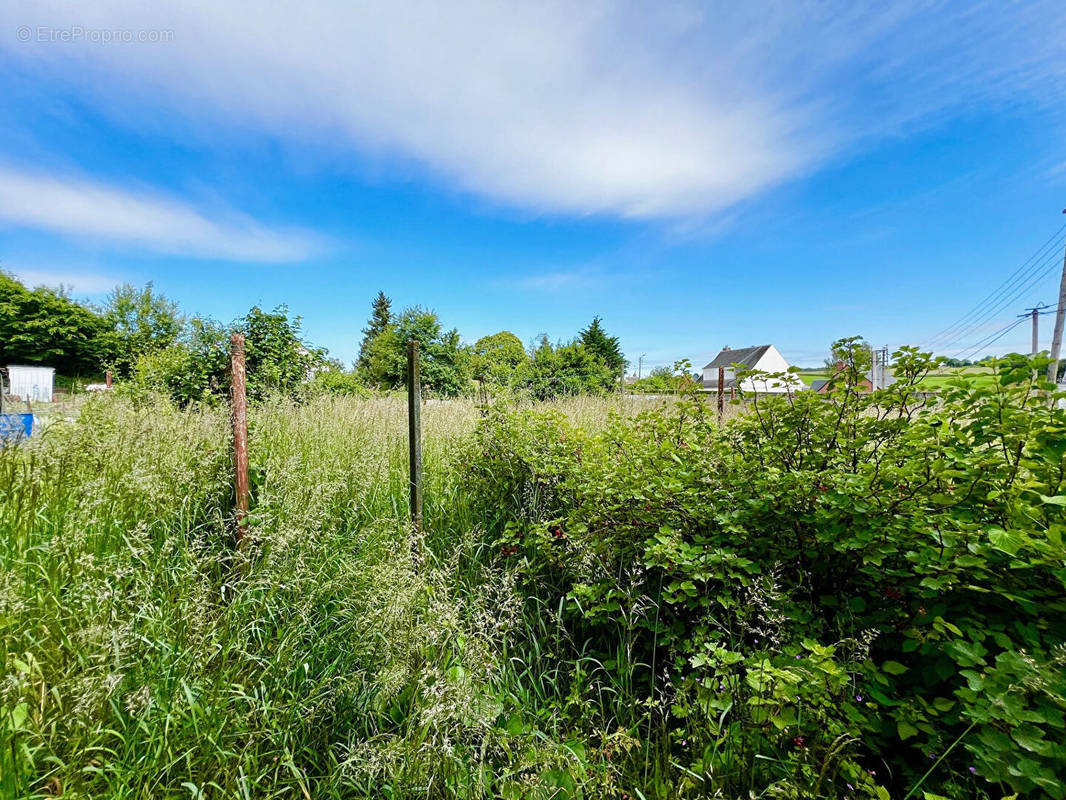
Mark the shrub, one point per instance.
(340, 383)
(196, 368)
(823, 596)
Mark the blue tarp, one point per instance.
(15, 426)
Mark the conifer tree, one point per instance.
(603, 346)
(379, 323)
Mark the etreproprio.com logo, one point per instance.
(77, 33)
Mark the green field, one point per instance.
(982, 376)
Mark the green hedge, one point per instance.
(852, 595)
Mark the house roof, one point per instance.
(748, 356)
(818, 384)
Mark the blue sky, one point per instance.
(698, 174)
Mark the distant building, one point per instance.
(879, 376)
(880, 373)
(35, 384)
(765, 358)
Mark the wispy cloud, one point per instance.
(90, 283)
(634, 110)
(559, 281)
(597, 275)
(83, 208)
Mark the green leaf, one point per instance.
(905, 730)
(940, 621)
(18, 716)
(560, 780)
(943, 704)
(1007, 541)
(893, 668)
(967, 654)
(1031, 738)
(1027, 767)
(515, 726)
(1055, 500)
(995, 739)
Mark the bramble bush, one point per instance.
(858, 595)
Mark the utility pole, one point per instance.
(878, 368)
(1060, 317)
(1034, 312)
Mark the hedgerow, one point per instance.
(844, 595)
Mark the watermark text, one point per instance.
(76, 34)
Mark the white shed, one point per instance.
(36, 384)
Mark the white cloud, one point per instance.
(559, 281)
(589, 277)
(80, 282)
(636, 110)
(79, 207)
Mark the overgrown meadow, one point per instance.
(859, 596)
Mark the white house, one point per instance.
(764, 357)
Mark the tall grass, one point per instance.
(335, 656)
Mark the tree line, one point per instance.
(150, 345)
(590, 363)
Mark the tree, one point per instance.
(196, 367)
(497, 358)
(444, 363)
(563, 369)
(277, 358)
(44, 326)
(369, 361)
(143, 322)
(854, 353)
(661, 380)
(603, 346)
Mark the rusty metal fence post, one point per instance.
(239, 407)
(721, 392)
(414, 423)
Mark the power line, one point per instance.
(979, 313)
(991, 338)
(1036, 274)
(1019, 275)
(1048, 265)
(999, 334)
